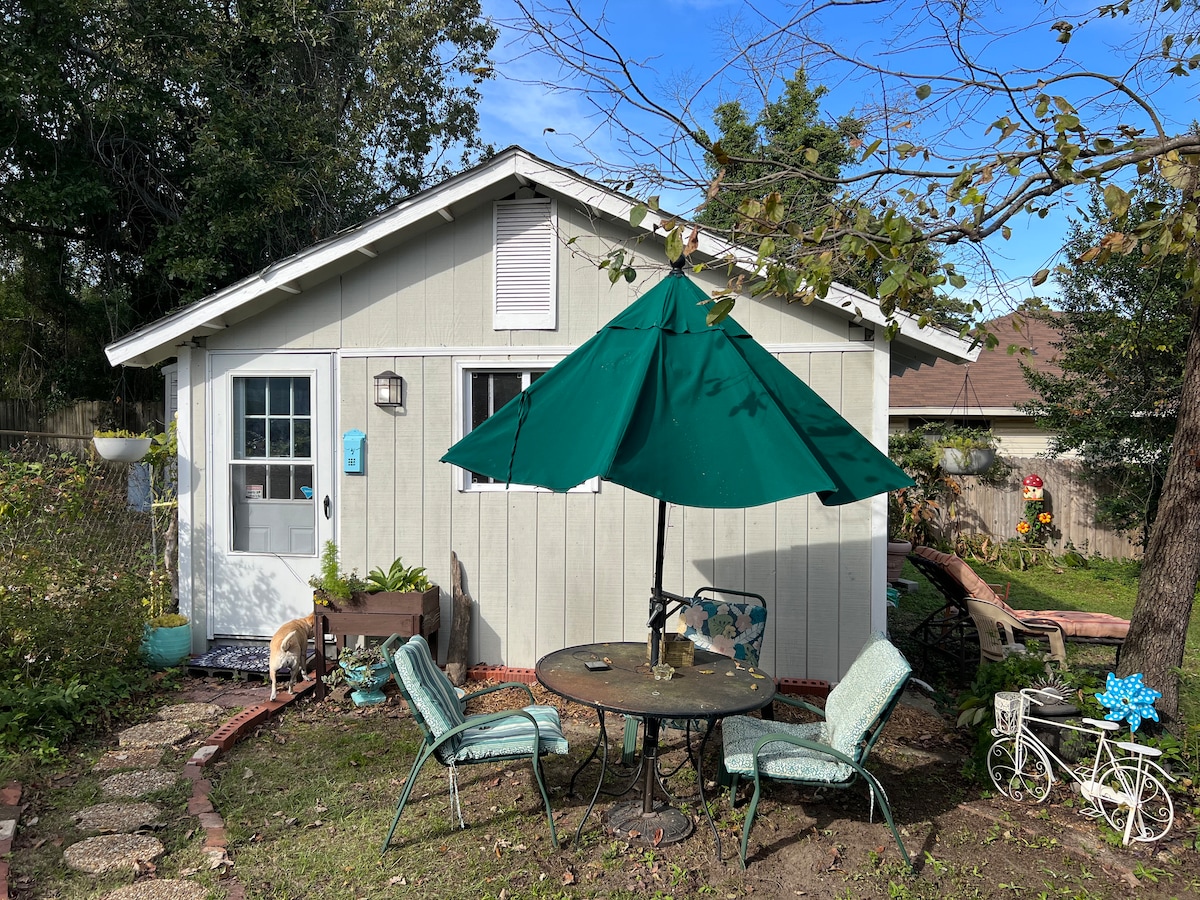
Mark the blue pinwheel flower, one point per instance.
(1127, 699)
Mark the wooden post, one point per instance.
(460, 626)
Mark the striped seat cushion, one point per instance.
(512, 737)
(432, 693)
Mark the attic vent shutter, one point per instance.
(526, 265)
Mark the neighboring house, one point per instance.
(984, 392)
(468, 291)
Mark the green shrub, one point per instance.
(71, 615)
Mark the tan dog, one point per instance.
(289, 648)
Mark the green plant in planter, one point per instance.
(333, 583)
(120, 433)
(400, 578)
(962, 440)
(364, 668)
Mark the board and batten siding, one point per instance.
(550, 570)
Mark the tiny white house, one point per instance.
(458, 297)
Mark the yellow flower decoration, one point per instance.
(1045, 518)
(1023, 527)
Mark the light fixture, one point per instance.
(389, 389)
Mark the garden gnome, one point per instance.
(1031, 488)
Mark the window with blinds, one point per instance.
(525, 295)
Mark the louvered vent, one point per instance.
(525, 265)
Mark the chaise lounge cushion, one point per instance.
(1075, 624)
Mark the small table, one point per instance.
(713, 687)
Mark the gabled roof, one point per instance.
(991, 385)
(494, 179)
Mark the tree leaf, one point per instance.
(637, 214)
(924, 91)
(675, 243)
(719, 310)
(1040, 276)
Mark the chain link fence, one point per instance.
(60, 506)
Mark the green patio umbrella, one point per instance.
(671, 407)
(690, 413)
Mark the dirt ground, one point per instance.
(964, 841)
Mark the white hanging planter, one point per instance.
(122, 449)
(968, 462)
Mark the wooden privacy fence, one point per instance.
(67, 428)
(996, 509)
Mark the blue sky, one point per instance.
(683, 40)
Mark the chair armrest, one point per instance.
(487, 719)
(499, 687)
(1053, 632)
(799, 704)
(1001, 590)
(823, 749)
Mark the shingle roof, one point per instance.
(992, 382)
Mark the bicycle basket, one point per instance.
(1009, 706)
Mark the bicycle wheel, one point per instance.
(1145, 816)
(1020, 769)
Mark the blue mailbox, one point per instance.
(354, 452)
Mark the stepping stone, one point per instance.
(109, 852)
(154, 734)
(113, 817)
(115, 760)
(191, 712)
(159, 889)
(135, 784)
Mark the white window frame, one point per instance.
(462, 421)
(537, 306)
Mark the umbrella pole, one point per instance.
(658, 608)
(658, 614)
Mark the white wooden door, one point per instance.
(271, 485)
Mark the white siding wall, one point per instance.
(547, 571)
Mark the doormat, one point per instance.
(239, 661)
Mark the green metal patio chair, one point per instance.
(453, 738)
(829, 753)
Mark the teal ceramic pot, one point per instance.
(163, 648)
(369, 688)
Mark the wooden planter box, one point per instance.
(381, 614)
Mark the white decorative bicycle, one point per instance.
(1122, 783)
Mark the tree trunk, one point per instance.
(1171, 567)
(460, 626)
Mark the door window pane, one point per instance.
(273, 500)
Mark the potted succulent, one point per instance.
(365, 669)
(166, 636)
(120, 445)
(966, 450)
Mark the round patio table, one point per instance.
(712, 687)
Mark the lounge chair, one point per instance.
(830, 753)
(948, 628)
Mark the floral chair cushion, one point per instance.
(785, 761)
(852, 707)
(731, 629)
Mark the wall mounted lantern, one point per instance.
(389, 389)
